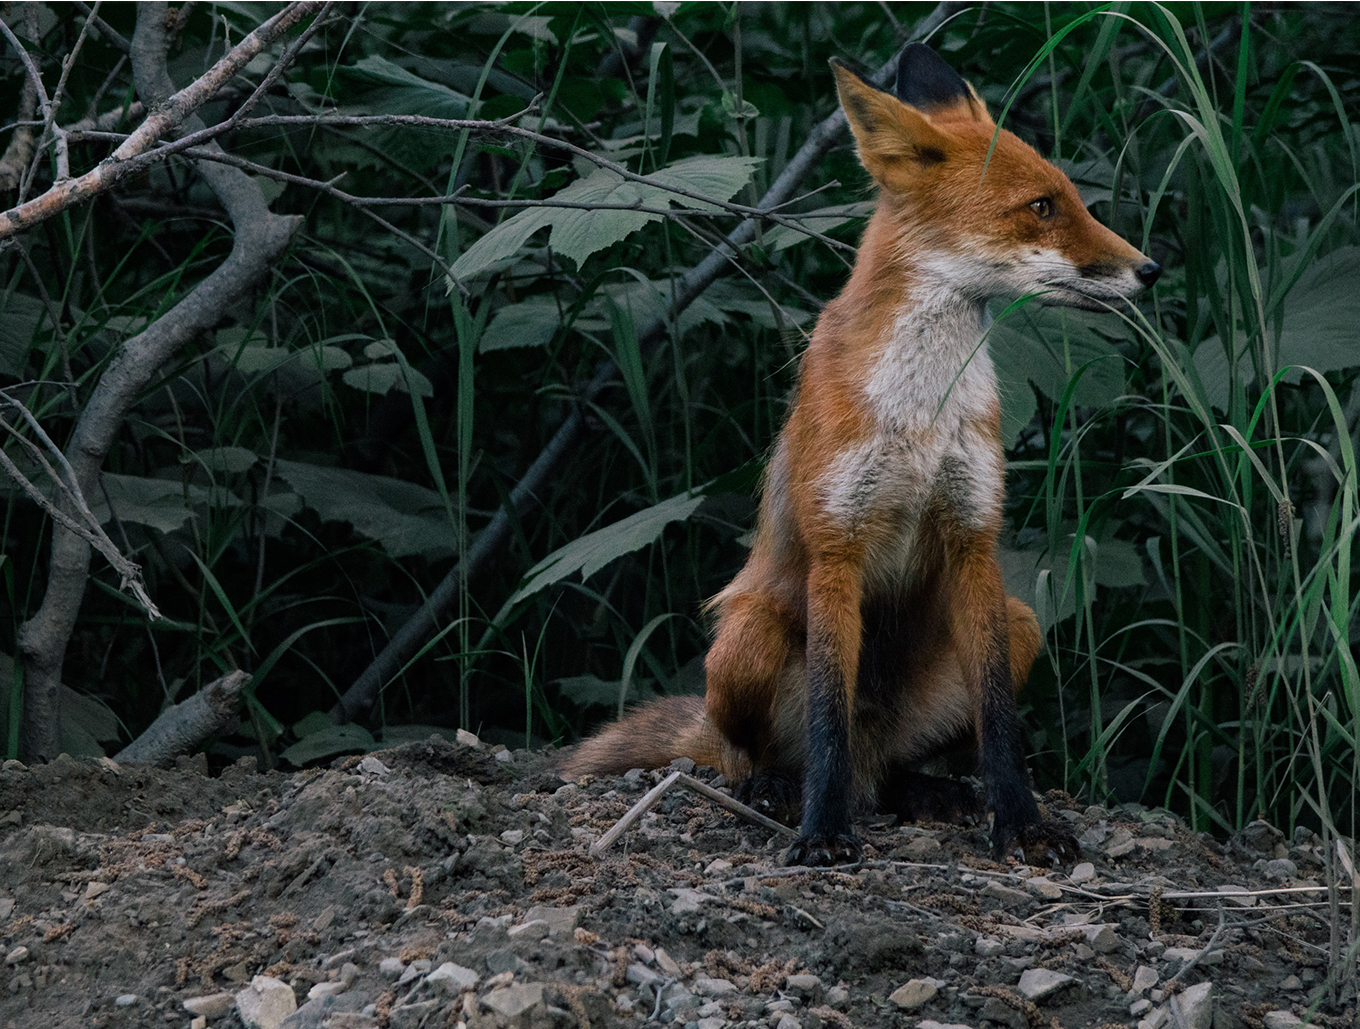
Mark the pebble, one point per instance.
(1037, 983)
(1083, 872)
(391, 968)
(988, 946)
(125, 1000)
(1237, 895)
(373, 766)
(1291, 982)
(514, 837)
(928, 1023)
(265, 1003)
(1005, 896)
(838, 997)
(1281, 1020)
(712, 1022)
(806, 986)
(667, 963)
(1144, 978)
(1193, 1008)
(1214, 957)
(1281, 868)
(787, 1021)
(198, 1022)
(561, 921)
(535, 930)
(321, 921)
(713, 988)
(1139, 1006)
(640, 974)
(914, 994)
(450, 979)
(920, 849)
(999, 1012)
(1043, 888)
(1105, 940)
(515, 1000)
(468, 739)
(328, 989)
(17, 956)
(213, 1005)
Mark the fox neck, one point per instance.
(922, 331)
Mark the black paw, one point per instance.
(774, 794)
(820, 850)
(930, 798)
(1036, 843)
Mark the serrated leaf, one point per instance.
(337, 739)
(403, 517)
(163, 504)
(418, 96)
(781, 237)
(591, 552)
(530, 323)
(384, 376)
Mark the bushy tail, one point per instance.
(652, 736)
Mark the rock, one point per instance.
(513, 837)
(17, 956)
(1155, 844)
(787, 1021)
(323, 920)
(1214, 957)
(687, 901)
(1291, 982)
(988, 946)
(1237, 895)
(1043, 888)
(717, 865)
(713, 988)
(391, 968)
(838, 997)
(1037, 983)
(920, 848)
(213, 1005)
(198, 1022)
(265, 1003)
(998, 1011)
(712, 1022)
(329, 989)
(1139, 1006)
(1281, 868)
(410, 1016)
(640, 974)
(561, 921)
(535, 930)
(913, 994)
(125, 1000)
(468, 739)
(1194, 1007)
(1004, 896)
(372, 766)
(805, 986)
(1257, 838)
(1280, 1020)
(1104, 940)
(1083, 872)
(683, 764)
(928, 1023)
(450, 979)
(515, 1000)
(1144, 979)
(644, 953)
(1093, 837)
(667, 963)
(1117, 850)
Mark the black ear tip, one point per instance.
(925, 79)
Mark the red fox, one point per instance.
(869, 629)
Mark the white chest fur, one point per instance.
(931, 391)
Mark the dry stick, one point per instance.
(648, 801)
(496, 534)
(185, 725)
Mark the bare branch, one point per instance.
(159, 123)
(183, 726)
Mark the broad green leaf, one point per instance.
(231, 460)
(592, 691)
(403, 517)
(312, 723)
(1118, 563)
(19, 318)
(417, 95)
(256, 359)
(781, 237)
(85, 723)
(1320, 327)
(164, 504)
(337, 739)
(493, 23)
(384, 376)
(530, 323)
(591, 552)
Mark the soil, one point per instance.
(444, 883)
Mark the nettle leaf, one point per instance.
(414, 95)
(530, 323)
(1320, 328)
(328, 742)
(384, 376)
(406, 519)
(1118, 563)
(578, 233)
(591, 552)
(824, 219)
(164, 504)
(19, 318)
(256, 359)
(1046, 346)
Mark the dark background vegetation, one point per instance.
(298, 480)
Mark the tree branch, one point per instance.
(408, 640)
(183, 726)
(261, 237)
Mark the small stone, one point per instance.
(712, 1022)
(667, 963)
(1037, 983)
(1193, 1008)
(504, 755)
(1120, 849)
(1214, 957)
(1144, 979)
(515, 1000)
(1281, 1020)
(213, 1005)
(930, 1023)
(1155, 844)
(17, 956)
(913, 994)
(1281, 868)
(391, 968)
(513, 837)
(1043, 888)
(265, 1003)
(806, 986)
(536, 930)
(687, 901)
(640, 974)
(717, 865)
(323, 920)
(838, 997)
(644, 953)
(1105, 940)
(683, 764)
(1005, 897)
(1083, 872)
(998, 1011)
(125, 1000)
(921, 848)
(1237, 895)
(372, 766)
(1139, 1006)
(92, 889)
(467, 739)
(787, 1021)
(561, 921)
(328, 989)
(450, 979)
(411, 1016)
(713, 988)
(988, 946)
(1291, 982)
(198, 1023)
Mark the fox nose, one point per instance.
(1148, 273)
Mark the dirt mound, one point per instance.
(438, 884)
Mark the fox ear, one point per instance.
(890, 136)
(928, 84)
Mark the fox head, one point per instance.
(989, 219)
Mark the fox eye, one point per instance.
(1043, 207)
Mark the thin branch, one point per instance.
(183, 726)
(111, 35)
